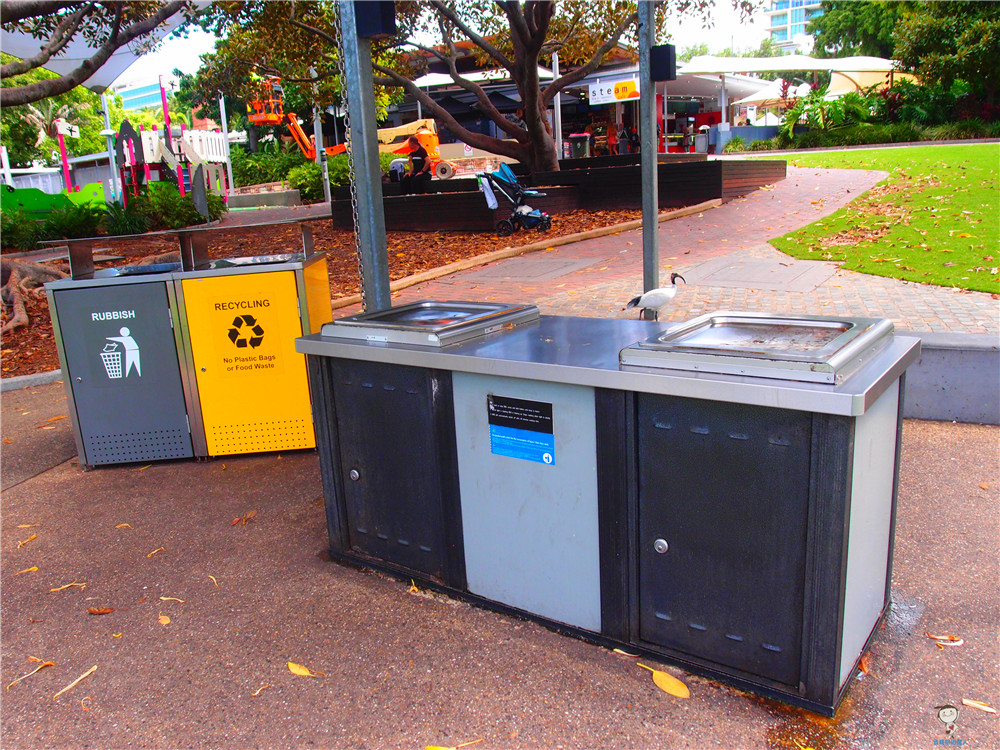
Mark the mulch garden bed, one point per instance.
(32, 349)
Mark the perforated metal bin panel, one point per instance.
(723, 504)
(118, 349)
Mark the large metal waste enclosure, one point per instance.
(166, 363)
(122, 364)
(720, 494)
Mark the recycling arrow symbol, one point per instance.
(246, 332)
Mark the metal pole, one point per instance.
(557, 110)
(110, 142)
(319, 144)
(360, 87)
(225, 134)
(647, 141)
(166, 118)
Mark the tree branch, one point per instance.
(478, 140)
(12, 11)
(13, 96)
(591, 65)
(478, 40)
(59, 38)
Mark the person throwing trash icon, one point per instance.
(131, 350)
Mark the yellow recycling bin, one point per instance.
(239, 321)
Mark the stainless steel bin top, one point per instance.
(255, 260)
(809, 348)
(431, 322)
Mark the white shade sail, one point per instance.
(709, 64)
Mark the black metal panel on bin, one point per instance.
(723, 505)
(397, 490)
(121, 356)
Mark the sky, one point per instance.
(727, 31)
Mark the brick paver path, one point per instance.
(738, 230)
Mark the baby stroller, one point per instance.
(522, 216)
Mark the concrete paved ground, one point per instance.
(405, 670)
(414, 669)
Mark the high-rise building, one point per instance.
(144, 95)
(789, 19)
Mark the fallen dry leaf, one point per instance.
(123, 526)
(215, 582)
(171, 599)
(32, 569)
(83, 702)
(413, 588)
(301, 671)
(452, 747)
(29, 539)
(983, 486)
(946, 640)
(100, 610)
(56, 419)
(28, 525)
(68, 586)
(40, 667)
(625, 653)
(244, 519)
(143, 468)
(668, 683)
(76, 681)
(158, 549)
(116, 635)
(8, 441)
(863, 664)
(259, 690)
(164, 620)
(979, 705)
(35, 659)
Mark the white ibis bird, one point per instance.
(655, 299)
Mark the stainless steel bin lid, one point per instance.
(255, 260)
(809, 348)
(431, 322)
(141, 270)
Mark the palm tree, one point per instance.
(43, 115)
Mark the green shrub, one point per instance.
(165, 208)
(120, 219)
(960, 130)
(764, 145)
(18, 230)
(270, 164)
(337, 167)
(72, 221)
(736, 143)
(308, 180)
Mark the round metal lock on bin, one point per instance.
(661, 546)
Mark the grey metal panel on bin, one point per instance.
(530, 528)
(870, 525)
(117, 343)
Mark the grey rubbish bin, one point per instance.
(579, 144)
(117, 343)
(701, 143)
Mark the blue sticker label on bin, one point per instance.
(521, 429)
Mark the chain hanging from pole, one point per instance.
(351, 176)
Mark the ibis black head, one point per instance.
(675, 276)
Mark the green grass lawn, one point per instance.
(935, 219)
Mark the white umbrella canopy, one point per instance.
(784, 63)
(771, 96)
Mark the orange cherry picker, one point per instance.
(269, 110)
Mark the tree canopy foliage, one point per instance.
(856, 27)
(944, 42)
(510, 36)
(105, 26)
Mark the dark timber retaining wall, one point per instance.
(457, 205)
